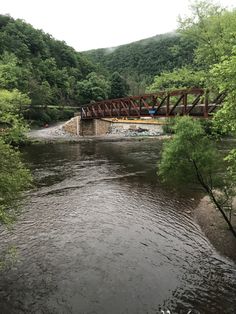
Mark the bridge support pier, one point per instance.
(91, 127)
(94, 127)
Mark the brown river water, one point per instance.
(100, 234)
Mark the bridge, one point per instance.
(193, 101)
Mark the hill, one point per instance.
(37, 64)
(140, 61)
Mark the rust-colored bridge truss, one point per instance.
(193, 102)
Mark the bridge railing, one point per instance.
(194, 101)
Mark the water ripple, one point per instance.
(100, 235)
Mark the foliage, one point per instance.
(224, 78)
(189, 143)
(40, 116)
(168, 127)
(184, 77)
(137, 83)
(140, 61)
(13, 127)
(14, 178)
(10, 71)
(191, 157)
(119, 86)
(213, 29)
(94, 87)
(230, 159)
(36, 64)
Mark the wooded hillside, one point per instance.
(140, 61)
(35, 63)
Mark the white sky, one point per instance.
(89, 24)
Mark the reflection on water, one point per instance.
(100, 235)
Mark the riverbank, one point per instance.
(57, 134)
(215, 228)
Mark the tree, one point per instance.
(41, 94)
(14, 179)
(119, 86)
(224, 79)
(13, 127)
(94, 88)
(137, 83)
(12, 74)
(9, 71)
(191, 157)
(213, 29)
(179, 78)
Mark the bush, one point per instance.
(14, 179)
(14, 127)
(168, 128)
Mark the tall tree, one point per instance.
(12, 74)
(190, 157)
(213, 29)
(94, 87)
(119, 86)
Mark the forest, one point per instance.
(45, 70)
(140, 61)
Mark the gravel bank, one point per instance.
(53, 132)
(56, 133)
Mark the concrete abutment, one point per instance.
(96, 127)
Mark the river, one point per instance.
(100, 234)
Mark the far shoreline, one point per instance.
(87, 139)
(55, 134)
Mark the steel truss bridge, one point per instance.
(193, 102)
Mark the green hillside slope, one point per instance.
(37, 64)
(140, 61)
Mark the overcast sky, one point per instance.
(89, 24)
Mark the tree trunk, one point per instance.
(208, 190)
(210, 193)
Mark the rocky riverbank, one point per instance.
(53, 132)
(57, 133)
(215, 228)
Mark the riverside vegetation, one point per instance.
(43, 80)
(192, 153)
